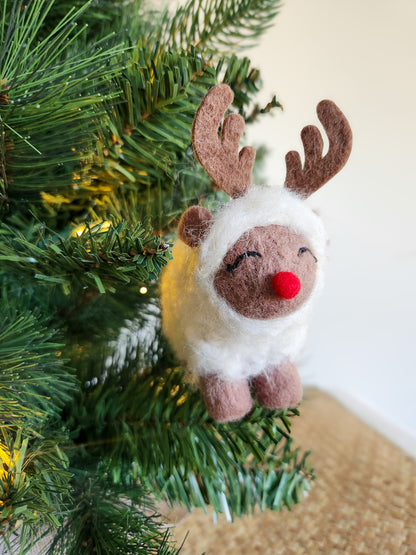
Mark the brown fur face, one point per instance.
(246, 274)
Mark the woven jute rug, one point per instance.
(363, 500)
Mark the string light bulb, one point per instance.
(80, 230)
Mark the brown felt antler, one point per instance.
(317, 170)
(229, 168)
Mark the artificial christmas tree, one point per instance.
(97, 422)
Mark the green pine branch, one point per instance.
(53, 91)
(225, 25)
(144, 158)
(193, 461)
(34, 482)
(34, 381)
(102, 16)
(111, 520)
(96, 257)
(145, 151)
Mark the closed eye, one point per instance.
(305, 249)
(232, 267)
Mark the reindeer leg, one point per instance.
(226, 401)
(280, 387)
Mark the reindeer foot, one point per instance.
(226, 401)
(279, 388)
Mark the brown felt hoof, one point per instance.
(226, 401)
(279, 388)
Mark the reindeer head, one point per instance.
(265, 250)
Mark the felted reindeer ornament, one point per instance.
(236, 296)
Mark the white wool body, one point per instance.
(209, 336)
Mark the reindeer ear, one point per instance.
(194, 225)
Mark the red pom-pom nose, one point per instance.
(286, 285)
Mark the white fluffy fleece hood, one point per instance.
(203, 329)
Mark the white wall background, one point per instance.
(362, 55)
